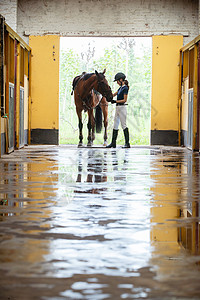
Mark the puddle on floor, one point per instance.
(100, 223)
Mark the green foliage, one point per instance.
(119, 57)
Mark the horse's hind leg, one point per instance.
(90, 125)
(105, 121)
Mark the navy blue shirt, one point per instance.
(123, 90)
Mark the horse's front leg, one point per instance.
(80, 126)
(105, 135)
(91, 127)
(105, 121)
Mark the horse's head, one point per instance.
(103, 86)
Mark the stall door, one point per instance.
(21, 119)
(11, 129)
(190, 119)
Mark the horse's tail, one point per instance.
(98, 118)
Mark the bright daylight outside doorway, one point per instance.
(131, 56)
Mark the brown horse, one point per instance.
(87, 99)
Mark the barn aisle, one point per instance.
(96, 223)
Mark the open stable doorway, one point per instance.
(131, 56)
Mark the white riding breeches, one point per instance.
(120, 116)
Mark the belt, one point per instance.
(119, 104)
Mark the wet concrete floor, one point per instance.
(99, 223)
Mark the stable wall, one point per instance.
(108, 18)
(165, 78)
(45, 89)
(15, 94)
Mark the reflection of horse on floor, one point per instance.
(94, 171)
(92, 91)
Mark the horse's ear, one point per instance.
(104, 71)
(96, 73)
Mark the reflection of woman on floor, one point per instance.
(119, 167)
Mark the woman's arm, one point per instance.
(115, 94)
(123, 100)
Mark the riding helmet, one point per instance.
(119, 76)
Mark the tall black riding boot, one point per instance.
(114, 138)
(126, 136)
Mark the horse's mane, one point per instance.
(87, 76)
(76, 80)
(84, 76)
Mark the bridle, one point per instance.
(101, 85)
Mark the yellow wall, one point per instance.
(166, 192)
(165, 78)
(45, 81)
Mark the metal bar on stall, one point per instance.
(29, 98)
(179, 97)
(18, 96)
(2, 22)
(198, 98)
(195, 89)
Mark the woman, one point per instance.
(121, 111)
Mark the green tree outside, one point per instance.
(117, 57)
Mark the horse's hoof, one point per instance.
(89, 144)
(105, 143)
(80, 145)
